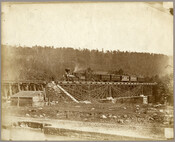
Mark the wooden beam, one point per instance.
(19, 89)
(10, 89)
(69, 95)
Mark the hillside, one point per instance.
(46, 62)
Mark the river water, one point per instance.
(30, 134)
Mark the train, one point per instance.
(89, 75)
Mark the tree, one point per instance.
(120, 72)
(163, 91)
(43, 62)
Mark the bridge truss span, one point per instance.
(95, 91)
(83, 90)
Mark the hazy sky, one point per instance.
(111, 26)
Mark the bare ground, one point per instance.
(143, 121)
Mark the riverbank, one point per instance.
(90, 130)
(100, 121)
(27, 134)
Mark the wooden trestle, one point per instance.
(81, 91)
(93, 91)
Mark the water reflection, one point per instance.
(30, 134)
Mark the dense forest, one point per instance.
(46, 62)
(43, 63)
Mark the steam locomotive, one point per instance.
(89, 75)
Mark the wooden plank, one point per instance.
(69, 95)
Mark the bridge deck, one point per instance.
(110, 83)
(22, 81)
(75, 82)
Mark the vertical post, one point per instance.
(19, 89)
(42, 88)
(129, 95)
(24, 88)
(150, 97)
(80, 90)
(89, 91)
(27, 87)
(142, 90)
(38, 87)
(44, 94)
(5, 92)
(110, 95)
(18, 102)
(34, 87)
(151, 90)
(49, 101)
(10, 89)
(21, 86)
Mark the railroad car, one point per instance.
(105, 77)
(140, 79)
(133, 79)
(115, 78)
(125, 78)
(96, 77)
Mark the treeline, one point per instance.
(46, 62)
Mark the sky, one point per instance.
(124, 26)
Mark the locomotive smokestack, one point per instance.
(67, 70)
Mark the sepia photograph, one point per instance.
(87, 71)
